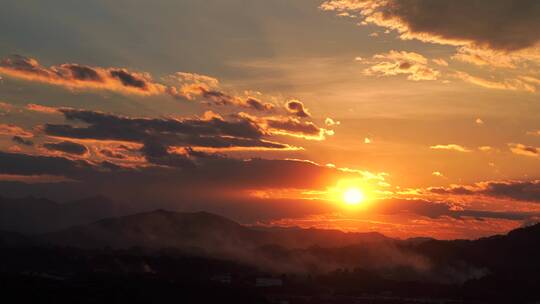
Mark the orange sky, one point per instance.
(268, 112)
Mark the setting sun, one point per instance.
(353, 196)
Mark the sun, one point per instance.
(353, 196)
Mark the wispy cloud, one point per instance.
(450, 147)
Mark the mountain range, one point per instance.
(499, 268)
(273, 249)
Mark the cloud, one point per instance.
(195, 86)
(254, 103)
(432, 209)
(188, 86)
(213, 132)
(488, 57)
(297, 108)
(169, 182)
(512, 84)
(223, 99)
(174, 142)
(437, 174)
(495, 34)
(191, 85)
(76, 76)
(329, 122)
(528, 191)
(42, 109)
(115, 152)
(20, 140)
(485, 148)
(534, 133)
(13, 130)
(455, 22)
(67, 147)
(521, 149)
(290, 126)
(400, 62)
(440, 61)
(451, 147)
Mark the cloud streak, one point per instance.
(76, 76)
(528, 191)
(451, 147)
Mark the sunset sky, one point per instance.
(270, 111)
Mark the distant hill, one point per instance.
(518, 249)
(273, 248)
(501, 269)
(32, 215)
(207, 234)
(156, 230)
(161, 229)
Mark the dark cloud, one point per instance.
(81, 72)
(214, 132)
(297, 108)
(157, 153)
(22, 141)
(498, 24)
(128, 79)
(217, 97)
(516, 190)
(295, 127)
(258, 105)
(177, 178)
(440, 209)
(221, 98)
(505, 25)
(81, 76)
(456, 190)
(67, 147)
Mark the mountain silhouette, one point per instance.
(32, 215)
(167, 229)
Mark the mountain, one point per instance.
(156, 230)
(163, 229)
(206, 234)
(32, 215)
(296, 249)
(164, 244)
(514, 251)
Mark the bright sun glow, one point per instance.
(353, 196)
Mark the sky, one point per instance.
(269, 111)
